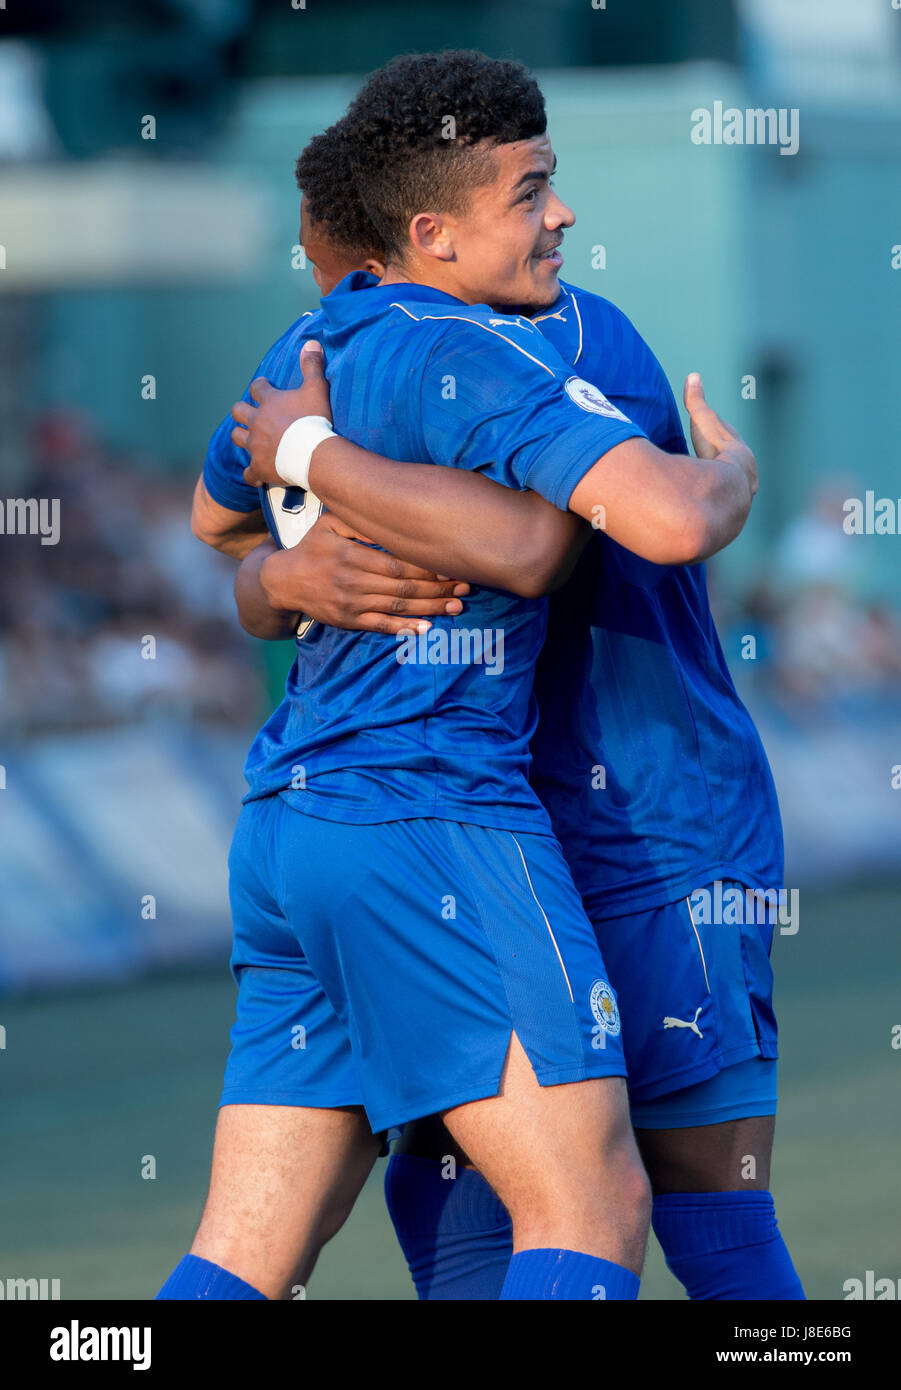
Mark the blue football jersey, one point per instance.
(373, 728)
(223, 469)
(644, 755)
(646, 758)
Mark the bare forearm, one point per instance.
(449, 520)
(728, 504)
(229, 532)
(256, 613)
(671, 509)
(239, 542)
(708, 501)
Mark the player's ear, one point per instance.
(375, 267)
(431, 236)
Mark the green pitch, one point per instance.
(93, 1082)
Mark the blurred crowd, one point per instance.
(75, 617)
(823, 637)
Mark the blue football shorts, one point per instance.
(699, 1033)
(387, 965)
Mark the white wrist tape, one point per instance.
(295, 449)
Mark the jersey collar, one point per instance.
(561, 307)
(344, 305)
(344, 302)
(562, 323)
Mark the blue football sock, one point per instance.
(725, 1245)
(193, 1277)
(540, 1274)
(455, 1232)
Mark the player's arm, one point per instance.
(331, 577)
(231, 532)
(226, 512)
(448, 520)
(666, 508)
(256, 613)
(670, 508)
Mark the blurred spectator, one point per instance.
(26, 131)
(74, 616)
(815, 547)
(821, 641)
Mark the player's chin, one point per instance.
(544, 284)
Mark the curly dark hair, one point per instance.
(325, 175)
(406, 154)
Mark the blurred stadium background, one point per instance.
(141, 279)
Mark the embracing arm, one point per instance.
(447, 520)
(331, 577)
(671, 508)
(232, 533)
(255, 610)
(668, 508)
(450, 520)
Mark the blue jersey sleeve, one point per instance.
(498, 398)
(223, 469)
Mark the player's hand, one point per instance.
(313, 393)
(331, 577)
(259, 427)
(711, 436)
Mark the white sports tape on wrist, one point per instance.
(295, 449)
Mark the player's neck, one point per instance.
(434, 274)
(438, 275)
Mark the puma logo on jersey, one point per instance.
(685, 1023)
(509, 323)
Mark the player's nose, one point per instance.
(557, 214)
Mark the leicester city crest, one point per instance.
(603, 1006)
